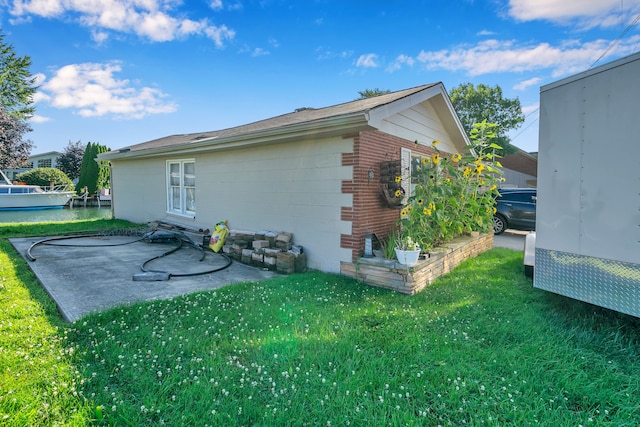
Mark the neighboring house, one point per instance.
(520, 169)
(44, 160)
(314, 172)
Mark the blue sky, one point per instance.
(120, 72)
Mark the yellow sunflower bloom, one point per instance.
(426, 211)
(435, 158)
(467, 171)
(420, 201)
(434, 143)
(456, 158)
(398, 193)
(403, 212)
(426, 160)
(398, 178)
(479, 168)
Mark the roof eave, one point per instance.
(332, 126)
(451, 121)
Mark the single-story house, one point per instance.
(318, 173)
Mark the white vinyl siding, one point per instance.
(181, 187)
(422, 123)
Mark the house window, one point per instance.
(181, 187)
(416, 164)
(412, 163)
(44, 163)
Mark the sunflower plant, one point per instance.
(454, 193)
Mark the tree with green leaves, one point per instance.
(482, 103)
(370, 93)
(70, 161)
(94, 176)
(17, 85)
(14, 149)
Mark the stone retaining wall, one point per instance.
(390, 274)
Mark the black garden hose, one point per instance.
(177, 237)
(47, 241)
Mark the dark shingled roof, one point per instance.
(300, 116)
(521, 161)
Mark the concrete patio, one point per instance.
(90, 274)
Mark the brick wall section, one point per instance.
(389, 274)
(370, 211)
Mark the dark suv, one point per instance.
(515, 208)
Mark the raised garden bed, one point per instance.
(390, 274)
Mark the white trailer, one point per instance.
(587, 243)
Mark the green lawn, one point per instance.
(479, 347)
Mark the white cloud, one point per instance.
(151, 19)
(399, 62)
(40, 96)
(39, 119)
(39, 78)
(259, 52)
(526, 10)
(46, 8)
(370, 60)
(485, 33)
(99, 36)
(92, 90)
(235, 6)
(527, 83)
(219, 34)
(587, 13)
(216, 4)
(323, 53)
(496, 56)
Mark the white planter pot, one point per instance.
(407, 257)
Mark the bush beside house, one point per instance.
(45, 177)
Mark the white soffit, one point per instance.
(377, 114)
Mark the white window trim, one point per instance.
(405, 167)
(182, 211)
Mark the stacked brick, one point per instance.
(266, 249)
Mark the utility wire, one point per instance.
(617, 40)
(613, 43)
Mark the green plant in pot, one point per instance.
(407, 249)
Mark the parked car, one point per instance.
(516, 209)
